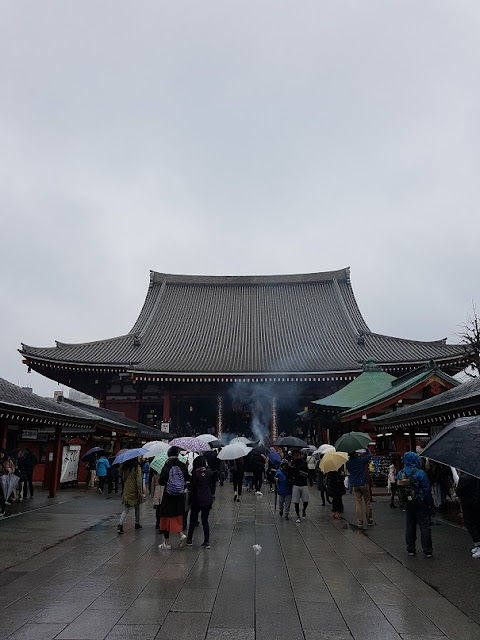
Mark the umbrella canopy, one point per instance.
(129, 454)
(154, 447)
(261, 449)
(190, 444)
(215, 444)
(274, 457)
(207, 437)
(323, 448)
(159, 461)
(240, 439)
(309, 449)
(234, 451)
(352, 441)
(290, 441)
(333, 460)
(457, 445)
(91, 452)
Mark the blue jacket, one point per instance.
(420, 480)
(357, 468)
(102, 466)
(284, 488)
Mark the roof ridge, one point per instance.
(442, 341)
(344, 307)
(320, 276)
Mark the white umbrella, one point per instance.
(207, 437)
(155, 447)
(241, 440)
(323, 448)
(233, 451)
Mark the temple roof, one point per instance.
(459, 401)
(400, 387)
(17, 400)
(288, 324)
(367, 385)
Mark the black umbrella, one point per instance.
(290, 441)
(216, 444)
(261, 450)
(91, 452)
(457, 445)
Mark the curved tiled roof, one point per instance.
(305, 323)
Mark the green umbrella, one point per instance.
(159, 461)
(352, 441)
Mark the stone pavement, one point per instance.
(66, 574)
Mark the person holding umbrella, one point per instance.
(132, 491)
(101, 469)
(299, 476)
(202, 500)
(468, 490)
(173, 477)
(357, 468)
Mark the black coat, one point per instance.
(335, 484)
(468, 490)
(200, 488)
(172, 505)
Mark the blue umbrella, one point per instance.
(129, 454)
(274, 457)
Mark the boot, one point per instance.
(120, 529)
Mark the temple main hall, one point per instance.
(238, 354)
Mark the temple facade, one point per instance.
(241, 354)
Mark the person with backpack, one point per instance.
(414, 490)
(174, 477)
(284, 489)
(201, 500)
(468, 491)
(132, 492)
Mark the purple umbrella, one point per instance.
(190, 444)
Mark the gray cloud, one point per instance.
(235, 138)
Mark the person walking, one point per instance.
(236, 469)
(101, 469)
(132, 492)
(414, 485)
(298, 471)
(248, 472)
(174, 477)
(284, 489)
(357, 468)
(145, 476)
(393, 470)
(335, 482)
(468, 491)
(27, 462)
(312, 466)
(5, 469)
(201, 500)
(157, 495)
(321, 484)
(258, 462)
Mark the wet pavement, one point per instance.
(66, 574)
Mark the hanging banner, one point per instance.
(70, 460)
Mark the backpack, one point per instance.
(406, 486)
(176, 481)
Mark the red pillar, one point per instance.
(166, 405)
(57, 463)
(3, 433)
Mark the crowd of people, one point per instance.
(16, 476)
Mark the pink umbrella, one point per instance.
(190, 444)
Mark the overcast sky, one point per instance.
(235, 137)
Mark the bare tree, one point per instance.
(470, 336)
